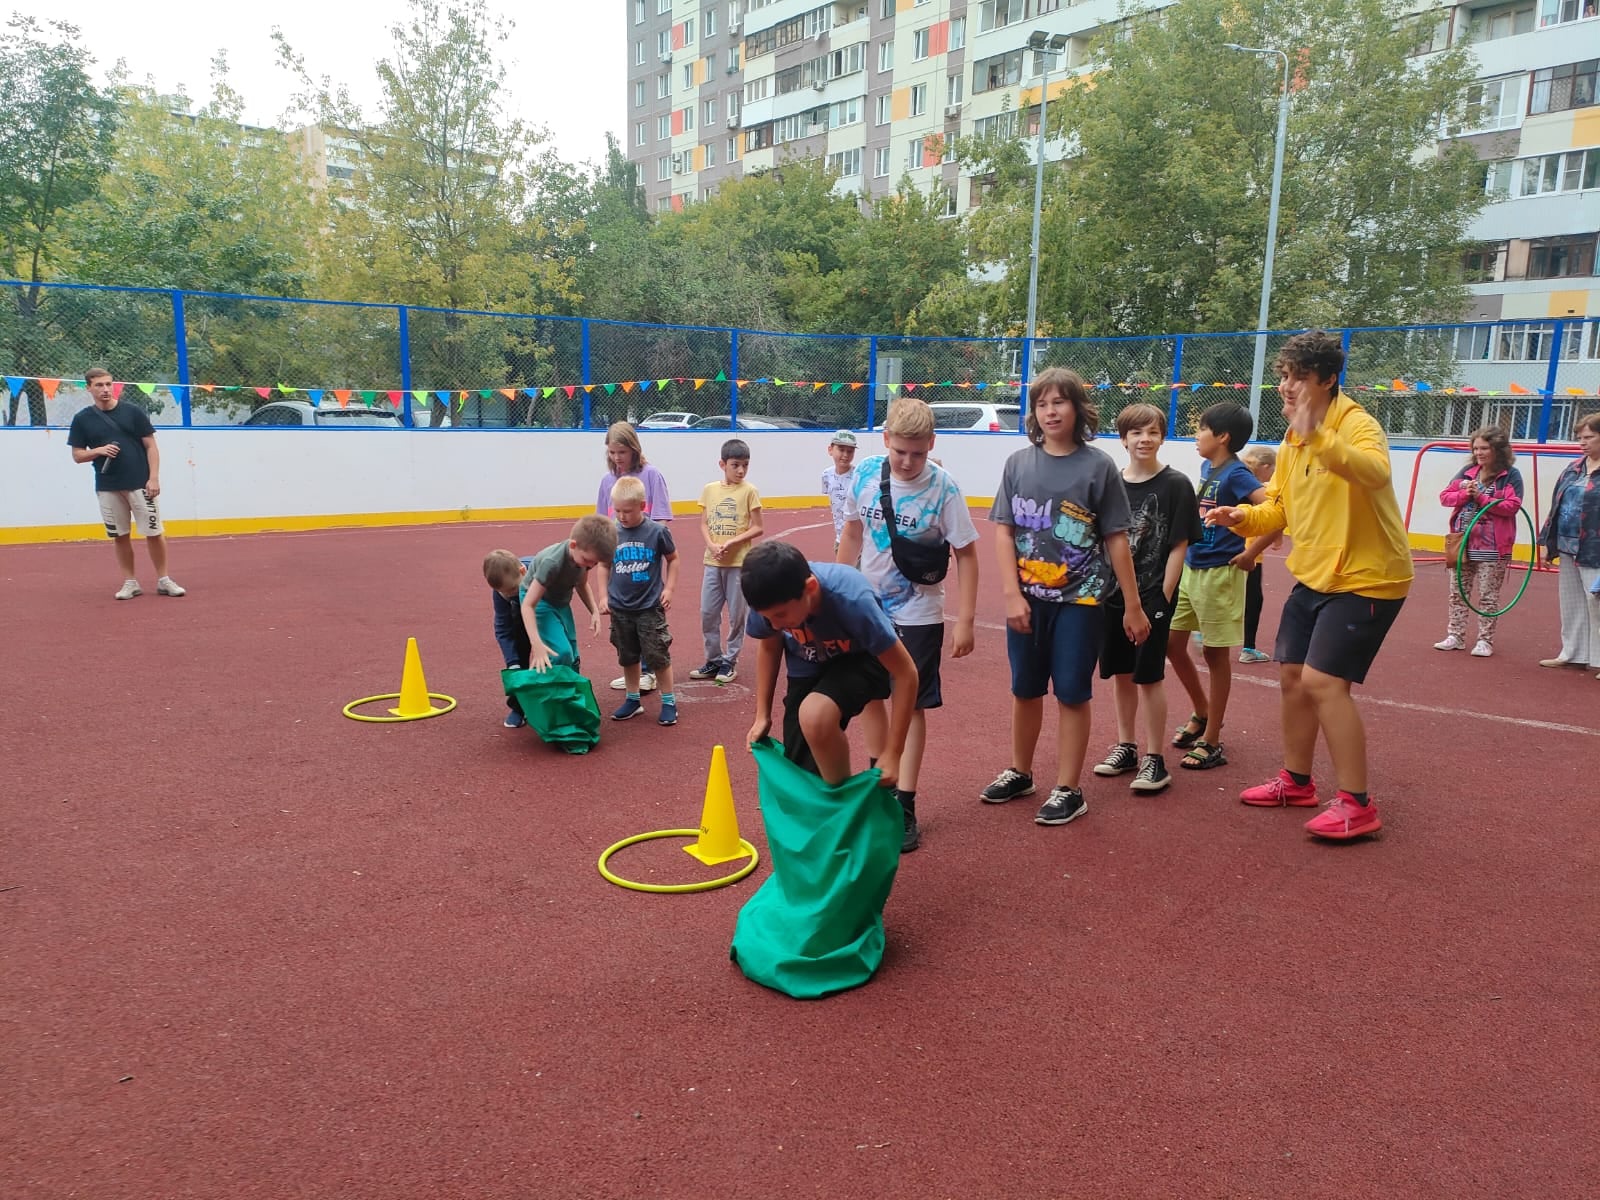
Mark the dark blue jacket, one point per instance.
(1577, 475)
(509, 630)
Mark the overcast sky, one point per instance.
(566, 64)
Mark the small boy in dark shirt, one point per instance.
(504, 572)
(636, 594)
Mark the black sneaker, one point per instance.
(1007, 785)
(709, 671)
(913, 835)
(1152, 776)
(1124, 757)
(1065, 804)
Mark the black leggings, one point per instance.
(1253, 601)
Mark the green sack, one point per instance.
(559, 704)
(816, 926)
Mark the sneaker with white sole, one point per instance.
(1122, 758)
(1064, 804)
(1153, 775)
(647, 683)
(129, 589)
(709, 671)
(727, 671)
(1482, 650)
(1251, 655)
(1451, 642)
(1007, 785)
(166, 587)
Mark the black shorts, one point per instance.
(1147, 663)
(926, 645)
(852, 681)
(641, 636)
(1337, 633)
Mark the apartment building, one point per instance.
(880, 88)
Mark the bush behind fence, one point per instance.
(206, 359)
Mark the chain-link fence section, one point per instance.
(205, 359)
(797, 381)
(676, 374)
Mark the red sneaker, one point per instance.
(1344, 819)
(1276, 793)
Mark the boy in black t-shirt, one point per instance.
(636, 593)
(1166, 519)
(120, 441)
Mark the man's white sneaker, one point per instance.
(1482, 649)
(165, 587)
(1451, 642)
(129, 589)
(647, 683)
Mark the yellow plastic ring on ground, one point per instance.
(449, 703)
(704, 886)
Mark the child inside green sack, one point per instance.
(556, 573)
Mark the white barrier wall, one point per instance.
(239, 481)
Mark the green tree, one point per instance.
(442, 208)
(1157, 222)
(56, 126)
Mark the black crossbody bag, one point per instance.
(917, 561)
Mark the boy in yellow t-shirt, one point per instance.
(730, 519)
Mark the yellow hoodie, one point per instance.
(1334, 496)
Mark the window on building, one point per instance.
(664, 204)
(847, 61)
(641, 134)
(846, 163)
(886, 55)
(758, 138)
(1003, 70)
(919, 99)
(1432, 30)
(845, 112)
(958, 32)
(664, 126)
(638, 12)
(884, 111)
(997, 14)
(688, 118)
(886, 10)
(1001, 125)
(688, 31)
(708, 22)
(919, 44)
(1556, 89)
(664, 43)
(1040, 7)
(638, 93)
(733, 59)
(688, 77)
(818, 22)
(880, 163)
(949, 155)
(914, 151)
(708, 114)
(1484, 264)
(638, 53)
(663, 85)
(663, 6)
(953, 88)
(1576, 170)
(711, 154)
(1472, 343)
(733, 149)
(1559, 258)
(948, 207)
(1559, 12)
(756, 89)
(1497, 178)
(1491, 104)
(731, 103)
(1509, 20)
(664, 167)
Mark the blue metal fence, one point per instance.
(207, 359)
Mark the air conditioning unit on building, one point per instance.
(677, 163)
(952, 110)
(733, 24)
(819, 84)
(733, 120)
(733, 70)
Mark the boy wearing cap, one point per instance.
(836, 479)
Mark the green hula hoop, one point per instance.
(1461, 558)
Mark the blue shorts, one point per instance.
(1060, 652)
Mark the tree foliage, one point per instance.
(1157, 221)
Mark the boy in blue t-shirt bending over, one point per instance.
(842, 653)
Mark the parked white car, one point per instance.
(963, 414)
(301, 412)
(668, 420)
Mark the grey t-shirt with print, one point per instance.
(1062, 507)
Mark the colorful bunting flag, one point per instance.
(15, 384)
(262, 392)
(49, 386)
(315, 394)
(1518, 390)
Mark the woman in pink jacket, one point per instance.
(1488, 477)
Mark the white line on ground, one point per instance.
(1364, 700)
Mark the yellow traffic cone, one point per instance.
(719, 827)
(414, 700)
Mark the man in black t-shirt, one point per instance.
(121, 443)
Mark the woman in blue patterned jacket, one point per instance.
(1572, 533)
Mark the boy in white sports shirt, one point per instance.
(927, 509)
(836, 479)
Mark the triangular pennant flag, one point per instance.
(644, 385)
(570, 390)
(207, 388)
(698, 384)
(284, 389)
(1423, 385)
(981, 385)
(230, 387)
(1518, 390)
(833, 389)
(855, 387)
(661, 383)
(149, 389)
(1398, 385)
(611, 389)
(741, 382)
(589, 388)
(49, 386)
(947, 383)
(1195, 387)
(910, 387)
(628, 386)
(817, 387)
(776, 381)
(116, 389)
(263, 392)
(721, 378)
(1576, 392)
(893, 388)
(965, 383)
(396, 398)
(1469, 390)
(483, 393)
(15, 383)
(367, 397)
(509, 393)
(532, 393)
(421, 398)
(547, 392)
(444, 398)
(315, 394)
(342, 395)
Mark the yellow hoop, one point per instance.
(705, 886)
(449, 703)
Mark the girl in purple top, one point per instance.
(625, 456)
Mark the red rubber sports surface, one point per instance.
(253, 949)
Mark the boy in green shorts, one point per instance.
(1211, 596)
(558, 571)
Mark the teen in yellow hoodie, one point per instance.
(1332, 493)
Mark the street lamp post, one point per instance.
(1048, 45)
(1258, 367)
